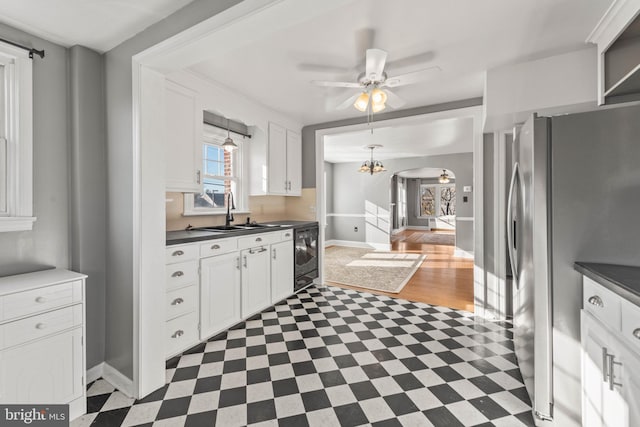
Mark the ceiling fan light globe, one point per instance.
(377, 107)
(362, 102)
(378, 96)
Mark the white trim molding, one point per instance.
(95, 373)
(118, 380)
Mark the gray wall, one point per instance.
(413, 189)
(48, 243)
(309, 132)
(595, 205)
(351, 189)
(89, 189)
(120, 158)
(329, 229)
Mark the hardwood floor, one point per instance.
(442, 279)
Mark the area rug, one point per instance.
(370, 269)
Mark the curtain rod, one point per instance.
(31, 50)
(246, 135)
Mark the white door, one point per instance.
(219, 293)
(183, 136)
(601, 406)
(49, 370)
(294, 163)
(281, 270)
(256, 280)
(277, 162)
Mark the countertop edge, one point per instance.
(615, 286)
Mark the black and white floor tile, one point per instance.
(334, 357)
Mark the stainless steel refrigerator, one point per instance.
(574, 196)
(529, 252)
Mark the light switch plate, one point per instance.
(466, 189)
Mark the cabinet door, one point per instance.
(630, 380)
(281, 270)
(219, 293)
(49, 370)
(277, 159)
(601, 406)
(256, 283)
(183, 139)
(294, 163)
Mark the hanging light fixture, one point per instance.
(444, 177)
(372, 166)
(362, 102)
(228, 144)
(375, 98)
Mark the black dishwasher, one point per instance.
(305, 243)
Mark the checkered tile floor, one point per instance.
(334, 357)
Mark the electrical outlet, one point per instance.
(355, 229)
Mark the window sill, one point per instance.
(235, 212)
(16, 223)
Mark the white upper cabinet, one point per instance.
(276, 163)
(617, 36)
(183, 132)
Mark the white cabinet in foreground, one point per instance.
(42, 356)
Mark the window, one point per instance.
(437, 200)
(221, 175)
(16, 181)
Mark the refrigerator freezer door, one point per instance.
(532, 295)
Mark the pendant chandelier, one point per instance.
(444, 177)
(229, 145)
(372, 166)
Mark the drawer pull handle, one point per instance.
(636, 333)
(41, 326)
(596, 300)
(178, 333)
(177, 301)
(287, 235)
(177, 274)
(177, 253)
(215, 247)
(41, 300)
(258, 239)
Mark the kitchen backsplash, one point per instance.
(263, 209)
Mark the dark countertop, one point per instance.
(623, 280)
(190, 236)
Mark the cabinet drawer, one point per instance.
(602, 303)
(286, 235)
(218, 246)
(181, 253)
(41, 325)
(182, 301)
(631, 323)
(180, 333)
(42, 299)
(258, 240)
(182, 273)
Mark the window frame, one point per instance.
(438, 188)
(16, 139)
(216, 136)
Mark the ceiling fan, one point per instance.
(374, 85)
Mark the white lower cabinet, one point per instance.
(281, 270)
(256, 280)
(42, 355)
(610, 365)
(220, 293)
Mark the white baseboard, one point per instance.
(364, 245)
(461, 253)
(417, 227)
(118, 380)
(95, 372)
(398, 230)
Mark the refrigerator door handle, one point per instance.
(510, 228)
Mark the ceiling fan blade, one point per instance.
(376, 59)
(348, 102)
(393, 100)
(325, 83)
(410, 78)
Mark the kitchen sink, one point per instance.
(252, 226)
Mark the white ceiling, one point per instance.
(98, 24)
(464, 38)
(425, 173)
(444, 136)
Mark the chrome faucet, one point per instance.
(230, 205)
